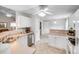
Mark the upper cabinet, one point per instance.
(74, 20)
(22, 21)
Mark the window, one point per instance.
(13, 24)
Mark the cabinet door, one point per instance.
(22, 41)
(61, 42)
(52, 40)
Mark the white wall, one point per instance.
(60, 24)
(66, 24)
(45, 27)
(36, 27)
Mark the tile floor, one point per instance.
(44, 48)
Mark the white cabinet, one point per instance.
(22, 41)
(22, 21)
(52, 41)
(58, 41)
(4, 48)
(61, 42)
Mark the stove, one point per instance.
(72, 40)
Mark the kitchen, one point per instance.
(25, 33)
(12, 37)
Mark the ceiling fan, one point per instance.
(43, 10)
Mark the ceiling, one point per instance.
(20, 7)
(58, 11)
(5, 11)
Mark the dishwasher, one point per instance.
(31, 40)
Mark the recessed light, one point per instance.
(8, 15)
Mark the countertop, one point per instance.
(12, 35)
(60, 35)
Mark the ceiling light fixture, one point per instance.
(8, 15)
(42, 14)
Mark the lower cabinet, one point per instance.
(58, 41)
(5, 48)
(27, 40)
(22, 41)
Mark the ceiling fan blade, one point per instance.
(48, 13)
(49, 10)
